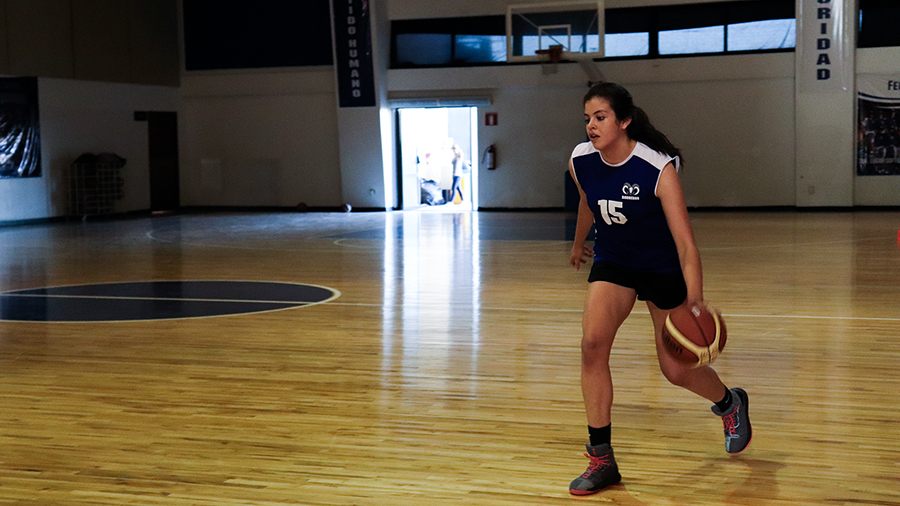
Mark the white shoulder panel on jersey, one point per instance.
(655, 158)
(585, 148)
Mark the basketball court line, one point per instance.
(340, 242)
(520, 244)
(579, 311)
(166, 319)
(168, 299)
(793, 244)
(343, 243)
(23, 291)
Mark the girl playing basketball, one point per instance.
(644, 250)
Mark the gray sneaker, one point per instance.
(601, 472)
(736, 420)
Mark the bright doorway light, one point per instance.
(427, 140)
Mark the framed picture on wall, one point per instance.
(878, 127)
(20, 133)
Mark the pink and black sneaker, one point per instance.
(736, 420)
(601, 472)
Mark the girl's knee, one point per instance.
(676, 375)
(595, 347)
(595, 341)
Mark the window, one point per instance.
(591, 43)
(760, 26)
(762, 35)
(709, 39)
(626, 44)
(627, 32)
(424, 48)
(448, 42)
(481, 48)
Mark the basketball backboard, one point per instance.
(577, 26)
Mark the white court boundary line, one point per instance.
(793, 244)
(726, 315)
(175, 299)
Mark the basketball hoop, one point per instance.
(550, 58)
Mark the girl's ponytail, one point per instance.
(641, 130)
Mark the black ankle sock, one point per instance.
(600, 436)
(725, 403)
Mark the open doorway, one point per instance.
(437, 168)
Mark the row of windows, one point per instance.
(435, 49)
(760, 25)
(646, 32)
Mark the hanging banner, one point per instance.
(353, 53)
(878, 128)
(20, 132)
(823, 46)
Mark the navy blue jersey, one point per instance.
(628, 216)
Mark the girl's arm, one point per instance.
(671, 195)
(580, 252)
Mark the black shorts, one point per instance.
(666, 290)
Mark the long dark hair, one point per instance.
(640, 128)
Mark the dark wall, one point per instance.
(123, 41)
(236, 34)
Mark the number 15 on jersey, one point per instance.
(609, 210)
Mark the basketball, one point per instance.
(694, 336)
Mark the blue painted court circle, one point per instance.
(156, 300)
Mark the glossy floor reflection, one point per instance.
(446, 372)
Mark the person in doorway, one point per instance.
(458, 167)
(644, 249)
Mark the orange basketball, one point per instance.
(694, 336)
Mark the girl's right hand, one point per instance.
(580, 256)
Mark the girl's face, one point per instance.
(603, 129)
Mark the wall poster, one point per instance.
(878, 125)
(824, 47)
(353, 53)
(20, 134)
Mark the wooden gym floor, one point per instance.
(441, 366)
